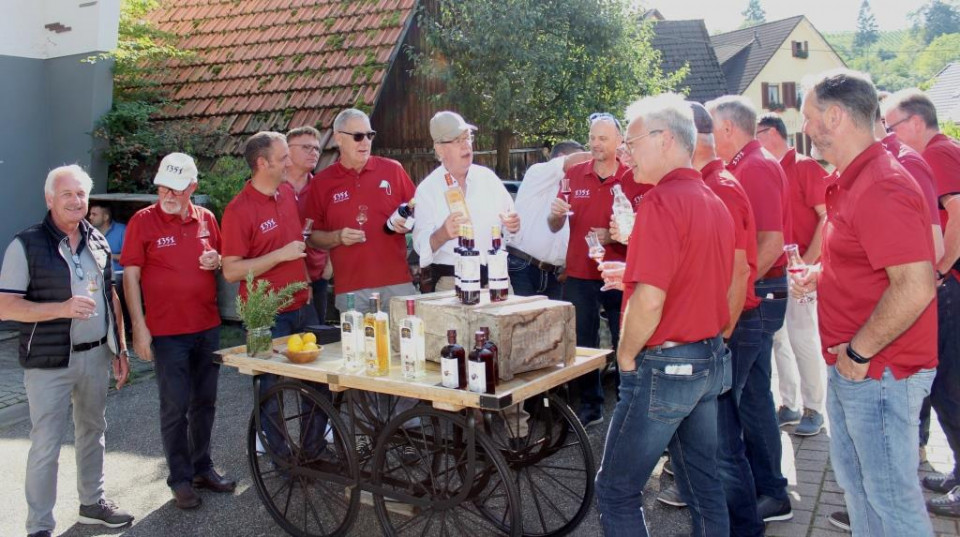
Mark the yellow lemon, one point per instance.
(310, 346)
(310, 337)
(295, 343)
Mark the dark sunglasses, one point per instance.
(358, 136)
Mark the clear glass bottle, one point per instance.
(623, 213)
(412, 344)
(376, 336)
(351, 335)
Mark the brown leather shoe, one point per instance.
(185, 497)
(214, 481)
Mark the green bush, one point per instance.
(224, 181)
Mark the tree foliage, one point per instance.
(867, 30)
(754, 14)
(899, 59)
(936, 18)
(536, 69)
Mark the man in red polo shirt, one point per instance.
(368, 258)
(734, 130)
(590, 201)
(672, 360)
(876, 312)
(911, 115)
(262, 235)
(796, 346)
(170, 256)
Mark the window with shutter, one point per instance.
(790, 95)
(765, 95)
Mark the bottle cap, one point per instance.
(451, 336)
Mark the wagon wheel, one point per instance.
(429, 470)
(553, 465)
(307, 481)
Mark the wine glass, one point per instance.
(361, 216)
(93, 285)
(203, 233)
(307, 229)
(595, 249)
(504, 232)
(797, 269)
(565, 190)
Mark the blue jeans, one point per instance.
(528, 280)
(945, 393)
(587, 299)
(313, 421)
(318, 291)
(657, 409)
(187, 385)
(873, 451)
(758, 413)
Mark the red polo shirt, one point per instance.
(876, 218)
(806, 179)
(766, 185)
(683, 243)
(592, 204)
(918, 168)
(255, 225)
(728, 189)
(943, 156)
(316, 259)
(335, 193)
(178, 296)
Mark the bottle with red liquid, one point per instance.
(496, 353)
(469, 269)
(480, 367)
(458, 266)
(499, 278)
(453, 363)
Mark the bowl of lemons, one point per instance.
(302, 348)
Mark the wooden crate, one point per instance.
(530, 332)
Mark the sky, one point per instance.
(826, 15)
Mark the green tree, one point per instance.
(867, 31)
(937, 55)
(754, 14)
(533, 69)
(936, 18)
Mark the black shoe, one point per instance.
(214, 481)
(41, 533)
(772, 510)
(409, 455)
(106, 513)
(942, 483)
(840, 519)
(671, 496)
(185, 497)
(946, 505)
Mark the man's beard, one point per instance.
(177, 207)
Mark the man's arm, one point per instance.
(17, 308)
(769, 249)
(640, 320)
(737, 294)
(812, 255)
(951, 235)
(141, 334)
(327, 240)
(235, 268)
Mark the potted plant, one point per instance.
(259, 312)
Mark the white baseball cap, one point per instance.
(176, 172)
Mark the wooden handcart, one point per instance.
(432, 460)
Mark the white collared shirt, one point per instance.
(534, 199)
(486, 199)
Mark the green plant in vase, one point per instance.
(259, 312)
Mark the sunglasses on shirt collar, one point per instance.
(358, 136)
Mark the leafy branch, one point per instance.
(262, 304)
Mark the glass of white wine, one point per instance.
(93, 286)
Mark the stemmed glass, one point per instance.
(361, 216)
(504, 232)
(595, 249)
(93, 285)
(203, 233)
(565, 190)
(307, 229)
(797, 269)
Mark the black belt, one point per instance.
(534, 262)
(440, 271)
(80, 347)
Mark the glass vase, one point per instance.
(259, 342)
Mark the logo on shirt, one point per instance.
(163, 242)
(581, 193)
(636, 200)
(341, 196)
(267, 226)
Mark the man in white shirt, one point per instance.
(488, 201)
(536, 254)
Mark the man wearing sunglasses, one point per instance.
(171, 258)
(57, 282)
(911, 115)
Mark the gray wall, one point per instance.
(48, 108)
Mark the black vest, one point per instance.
(46, 345)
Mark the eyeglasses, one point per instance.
(358, 136)
(162, 190)
(628, 143)
(603, 116)
(462, 139)
(891, 126)
(310, 148)
(77, 269)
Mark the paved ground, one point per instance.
(135, 473)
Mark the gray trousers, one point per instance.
(49, 394)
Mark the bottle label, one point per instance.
(408, 354)
(409, 222)
(470, 273)
(370, 347)
(497, 270)
(477, 377)
(449, 372)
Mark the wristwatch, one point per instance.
(855, 356)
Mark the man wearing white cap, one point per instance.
(487, 200)
(170, 258)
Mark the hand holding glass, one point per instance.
(595, 248)
(361, 216)
(797, 269)
(565, 190)
(93, 285)
(203, 233)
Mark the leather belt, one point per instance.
(672, 344)
(534, 262)
(775, 272)
(81, 347)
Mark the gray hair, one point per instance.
(303, 131)
(670, 112)
(913, 102)
(346, 115)
(49, 187)
(738, 109)
(851, 90)
(258, 146)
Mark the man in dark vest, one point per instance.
(57, 282)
